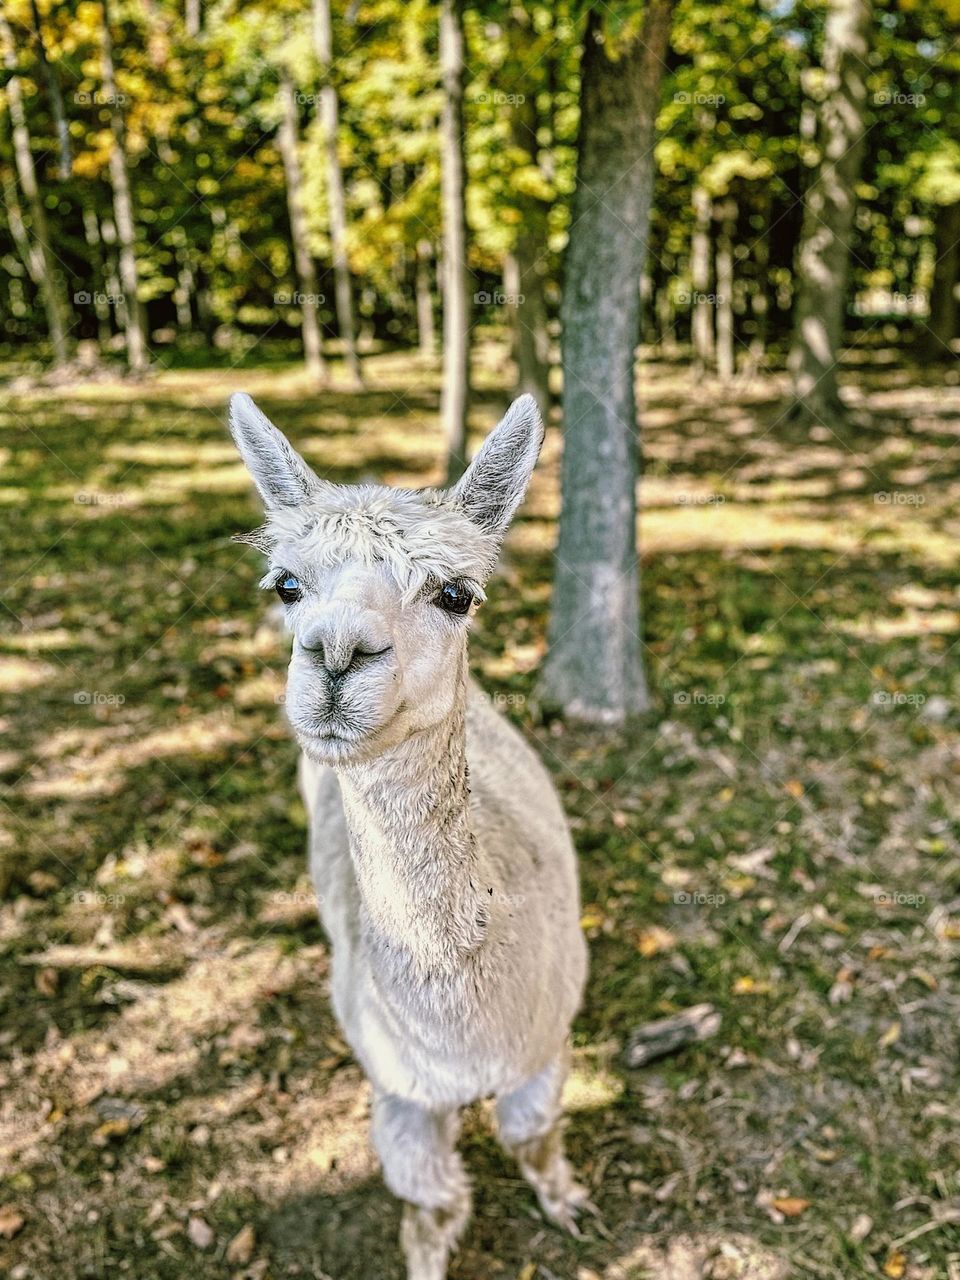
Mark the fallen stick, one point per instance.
(655, 1040)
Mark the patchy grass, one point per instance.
(780, 837)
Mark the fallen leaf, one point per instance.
(895, 1265)
(794, 788)
(790, 1206)
(46, 981)
(861, 1227)
(240, 1249)
(654, 940)
(11, 1221)
(748, 986)
(199, 1233)
(890, 1036)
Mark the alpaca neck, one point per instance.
(413, 848)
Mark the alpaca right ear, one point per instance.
(493, 486)
(282, 477)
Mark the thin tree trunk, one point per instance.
(726, 363)
(701, 319)
(829, 207)
(425, 328)
(531, 337)
(329, 111)
(309, 296)
(44, 270)
(193, 17)
(455, 388)
(594, 668)
(940, 330)
(123, 211)
(52, 82)
(101, 305)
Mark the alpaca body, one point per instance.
(438, 846)
(447, 1027)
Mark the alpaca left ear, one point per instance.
(493, 486)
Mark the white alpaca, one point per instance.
(438, 845)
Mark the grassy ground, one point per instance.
(780, 837)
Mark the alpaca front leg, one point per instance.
(422, 1167)
(530, 1126)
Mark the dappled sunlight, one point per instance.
(89, 764)
(19, 674)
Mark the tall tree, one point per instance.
(594, 669)
(329, 110)
(306, 272)
(42, 261)
(135, 333)
(455, 388)
(829, 207)
(52, 82)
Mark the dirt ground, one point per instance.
(779, 837)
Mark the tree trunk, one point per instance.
(726, 362)
(701, 319)
(425, 328)
(941, 329)
(455, 388)
(308, 296)
(329, 111)
(193, 17)
(531, 337)
(829, 207)
(42, 260)
(52, 82)
(123, 211)
(594, 669)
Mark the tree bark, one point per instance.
(829, 207)
(123, 211)
(594, 668)
(940, 330)
(531, 337)
(193, 17)
(726, 362)
(426, 335)
(306, 273)
(329, 111)
(43, 265)
(52, 82)
(701, 318)
(455, 387)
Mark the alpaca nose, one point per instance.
(338, 649)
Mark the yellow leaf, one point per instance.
(528, 1272)
(747, 986)
(654, 940)
(890, 1036)
(791, 1206)
(895, 1265)
(794, 788)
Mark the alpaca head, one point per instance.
(379, 585)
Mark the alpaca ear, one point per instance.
(493, 485)
(282, 477)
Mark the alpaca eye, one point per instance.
(454, 597)
(288, 588)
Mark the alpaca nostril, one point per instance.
(339, 660)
